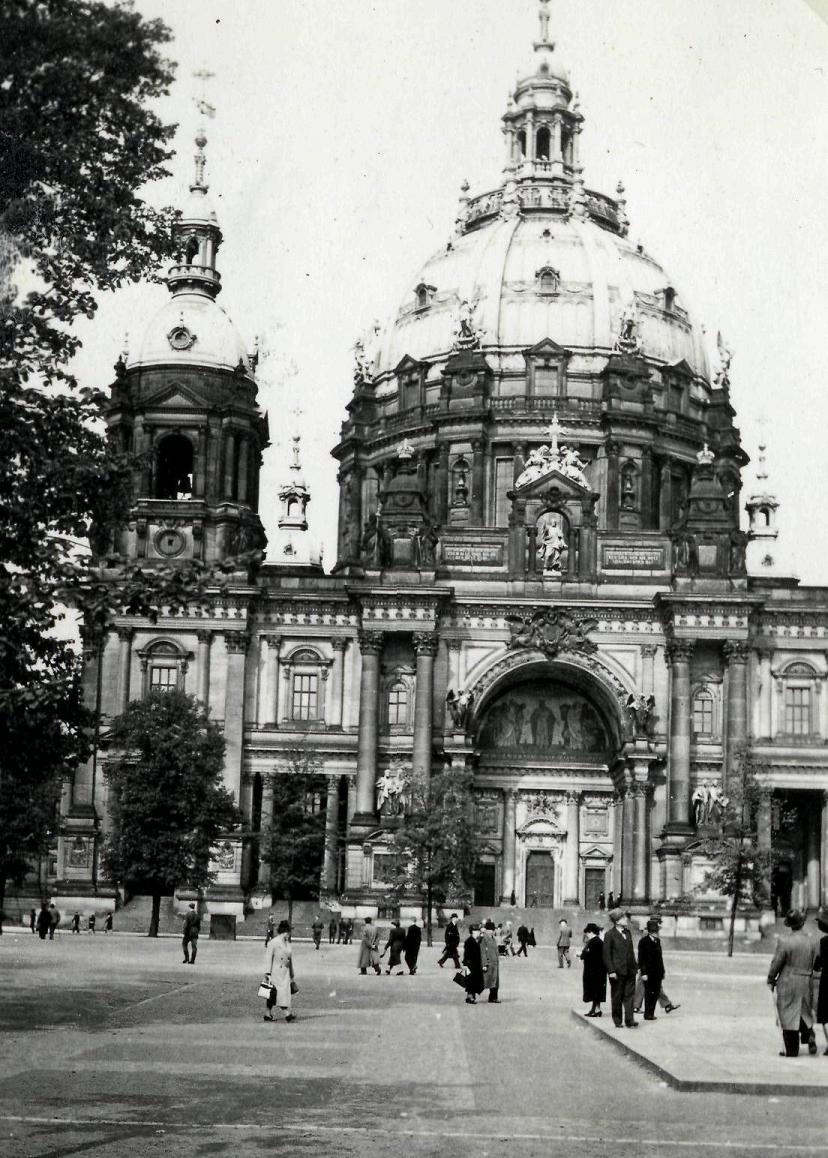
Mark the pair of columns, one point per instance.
(571, 858)
(679, 653)
(370, 646)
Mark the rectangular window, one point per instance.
(398, 705)
(797, 711)
(305, 697)
(163, 679)
(546, 380)
(703, 716)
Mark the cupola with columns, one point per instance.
(185, 399)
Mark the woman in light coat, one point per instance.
(369, 948)
(279, 972)
(790, 975)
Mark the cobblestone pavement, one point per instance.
(111, 1046)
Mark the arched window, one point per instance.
(799, 686)
(397, 704)
(522, 143)
(460, 483)
(174, 468)
(629, 487)
(542, 145)
(548, 280)
(191, 250)
(704, 714)
(163, 665)
(306, 674)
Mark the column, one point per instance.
(648, 653)
(641, 843)
(262, 681)
(236, 643)
(678, 755)
(518, 460)
(476, 504)
(666, 496)
(507, 874)
(355, 529)
(241, 470)
(200, 473)
(530, 136)
(557, 153)
(765, 691)
(204, 639)
(337, 682)
(572, 863)
(627, 844)
(647, 520)
(613, 450)
(824, 850)
(764, 840)
(441, 484)
(425, 647)
(124, 660)
(615, 827)
(229, 461)
(736, 655)
(331, 835)
(370, 645)
(812, 867)
(517, 537)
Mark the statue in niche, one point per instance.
(459, 707)
(685, 554)
(551, 541)
(641, 714)
(392, 791)
(738, 547)
(426, 541)
(369, 539)
(628, 488)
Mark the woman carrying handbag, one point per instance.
(279, 973)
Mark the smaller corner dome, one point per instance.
(191, 329)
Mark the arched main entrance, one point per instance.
(547, 737)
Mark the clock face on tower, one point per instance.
(169, 542)
(180, 338)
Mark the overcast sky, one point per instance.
(344, 129)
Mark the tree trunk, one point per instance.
(737, 891)
(429, 901)
(156, 915)
(290, 911)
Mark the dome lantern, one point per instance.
(197, 233)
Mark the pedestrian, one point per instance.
(822, 995)
(44, 921)
(192, 925)
(54, 920)
(602, 902)
(563, 943)
(509, 939)
(523, 941)
(108, 922)
(413, 940)
(394, 948)
(317, 929)
(472, 965)
(611, 900)
(349, 931)
(76, 919)
(279, 973)
(790, 975)
(452, 940)
(619, 960)
(90, 924)
(490, 961)
(532, 942)
(651, 967)
(270, 929)
(663, 1000)
(33, 920)
(369, 948)
(333, 925)
(595, 973)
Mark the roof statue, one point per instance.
(467, 336)
(547, 459)
(725, 358)
(405, 450)
(628, 341)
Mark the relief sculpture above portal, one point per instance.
(543, 719)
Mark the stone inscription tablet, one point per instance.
(473, 554)
(634, 558)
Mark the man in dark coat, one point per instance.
(473, 965)
(394, 947)
(413, 940)
(651, 964)
(523, 941)
(452, 938)
(189, 942)
(619, 959)
(43, 921)
(317, 929)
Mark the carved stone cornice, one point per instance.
(204, 636)
(370, 642)
(425, 644)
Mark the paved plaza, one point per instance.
(110, 1046)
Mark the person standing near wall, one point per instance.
(790, 974)
(619, 959)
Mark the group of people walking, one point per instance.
(792, 974)
(636, 973)
(401, 945)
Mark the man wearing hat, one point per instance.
(790, 975)
(452, 938)
(619, 959)
(473, 965)
(651, 967)
(663, 1000)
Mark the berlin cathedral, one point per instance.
(542, 572)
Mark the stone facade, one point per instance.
(541, 573)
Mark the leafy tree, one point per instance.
(293, 843)
(435, 848)
(168, 804)
(741, 852)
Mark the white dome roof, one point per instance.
(190, 329)
(497, 265)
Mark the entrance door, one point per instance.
(593, 885)
(484, 884)
(540, 881)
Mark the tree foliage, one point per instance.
(741, 851)
(293, 843)
(435, 848)
(168, 804)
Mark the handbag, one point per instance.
(294, 988)
(459, 979)
(265, 989)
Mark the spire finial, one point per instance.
(761, 465)
(296, 464)
(544, 21)
(205, 110)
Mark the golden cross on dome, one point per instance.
(544, 21)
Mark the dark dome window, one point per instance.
(174, 470)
